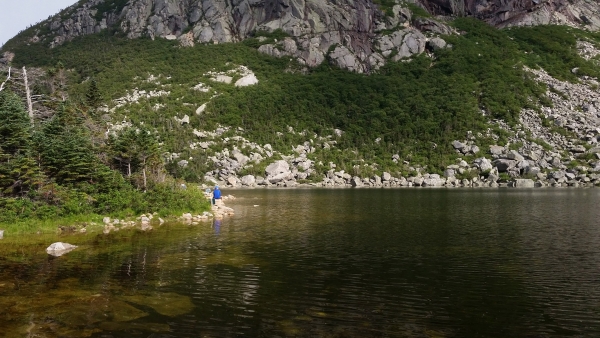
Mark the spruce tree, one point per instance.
(136, 151)
(19, 172)
(15, 127)
(65, 148)
(93, 97)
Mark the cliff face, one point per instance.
(349, 32)
(349, 27)
(503, 13)
(233, 20)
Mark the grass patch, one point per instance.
(51, 226)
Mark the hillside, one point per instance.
(396, 97)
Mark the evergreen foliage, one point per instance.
(104, 7)
(65, 149)
(136, 150)
(19, 173)
(15, 131)
(554, 48)
(93, 96)
(54, 170)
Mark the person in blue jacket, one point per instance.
(216, 194)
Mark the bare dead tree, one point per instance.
(23, 81)
(28, 94)
(7, 79)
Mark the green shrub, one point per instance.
(170, 199)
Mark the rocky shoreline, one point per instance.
(533, 166)
(555, 146)
(146, 222)
(436, 181)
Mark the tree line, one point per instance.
(52, 168)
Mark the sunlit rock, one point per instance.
(59, 248)
(247, 80)
(522, 183)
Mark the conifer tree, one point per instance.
(138, 150)
(65, 148)
(15, 129)
(19, 172)
(93, 97)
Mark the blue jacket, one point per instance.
(217, 194)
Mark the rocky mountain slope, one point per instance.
(454, 103)
(359, 35)
(505, 13)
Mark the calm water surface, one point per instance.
(326, 263)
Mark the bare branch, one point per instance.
(4, 83)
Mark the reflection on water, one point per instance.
(326, 263)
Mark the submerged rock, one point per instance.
(167, 304)
(59, 248)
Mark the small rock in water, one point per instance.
(59, 248)
(146, 227)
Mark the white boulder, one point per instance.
(59, 248)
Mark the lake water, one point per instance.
(325, 263)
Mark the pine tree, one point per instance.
(93, 97)
(65, 148)
(15, 128)
(19, 172)
(148, 153)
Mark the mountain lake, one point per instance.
(324, 263)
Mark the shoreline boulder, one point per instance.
(522, 183)
(59, 248)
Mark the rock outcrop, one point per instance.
(347, 22)
(350, 33)
(353, 34)
(504, 13)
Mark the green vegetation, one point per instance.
(553, 48)
(417, 11)
(414, 109)
(115, 6)
(542, 143)
(52, 172)
(260, 38)
(385, 6)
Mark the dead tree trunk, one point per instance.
(28, 93)
(145, 178)
(7, 79)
